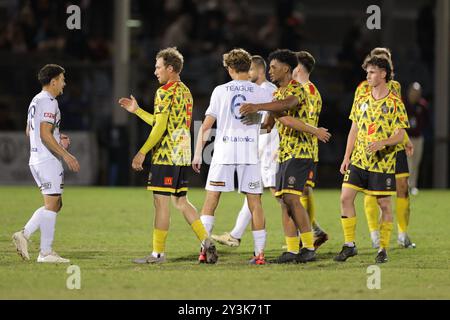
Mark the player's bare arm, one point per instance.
(321, 133)
(353, 133)
(275, 106)
(203, 136)
(155, 136)
(50, 142)
(393, 140)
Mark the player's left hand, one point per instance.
(375, 146)
(138, 160)
(409, 148)
(251, 119)
(64, 141)
(197, 163)
(248, 108)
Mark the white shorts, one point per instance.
(269, 168)
(49, 176)
(221, 178)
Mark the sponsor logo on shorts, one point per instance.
(311, 174)
(291, 180)
(168, 181)
(150, 176)
(217, 183)
(388, 182)
(34, 150)
(49, 115)
(254, 185)
(46, 186)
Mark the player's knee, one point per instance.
(346, 200)
(179, 203)
(385, 205)
(402, 188)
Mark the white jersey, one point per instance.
(43, 108)
(235, 142)
(269, 142)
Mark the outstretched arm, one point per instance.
(131, 105)
(321, 133)
(274, 106)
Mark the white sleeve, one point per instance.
(213, 109)
(47, 110)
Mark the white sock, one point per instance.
(208, 222)
(349, 244)
(157, 255)
(402, 236)
(33, 224)
(242, 221)
(48, 221)
(259, 238)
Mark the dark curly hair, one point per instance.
(381, 62)
(285, 56)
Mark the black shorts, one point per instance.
(372, 183)
(292, 175)
(168, 180)
(401, 165)
(312, 176)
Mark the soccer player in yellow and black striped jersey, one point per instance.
(170, 142)
(295, 152)
(306, 63)
(379, 120)
(404, 149)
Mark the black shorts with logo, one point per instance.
(168, 180)
(401, 165)
(292, 175)
(312, 176)
(372, 183)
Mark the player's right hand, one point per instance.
(323, 134)
(344, 166)
(71, 162)
(197, 163)
(129, 104)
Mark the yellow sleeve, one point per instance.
(147, 117)
(157, 132)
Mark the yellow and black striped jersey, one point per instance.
(314, 108)
(174, 148)
(395, 87)
(293, 143)
(377, 120)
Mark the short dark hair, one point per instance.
(172, 57)
(237, 59)
(307, 60)
(258, 60)
(381, 62)
(49, 72)
(285, 56)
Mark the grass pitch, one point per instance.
(102, 229)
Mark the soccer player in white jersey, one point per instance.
(267, 149)
(235, 147)
(47, 147)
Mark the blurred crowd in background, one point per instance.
(33, 33)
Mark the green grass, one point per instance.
(102, 229)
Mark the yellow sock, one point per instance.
(308, 240)
(349, 227)
(385, 234)
(308, 203)
(292, 244)
(159, 240)
(199, 230)
(372, 212)
(402, 214)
